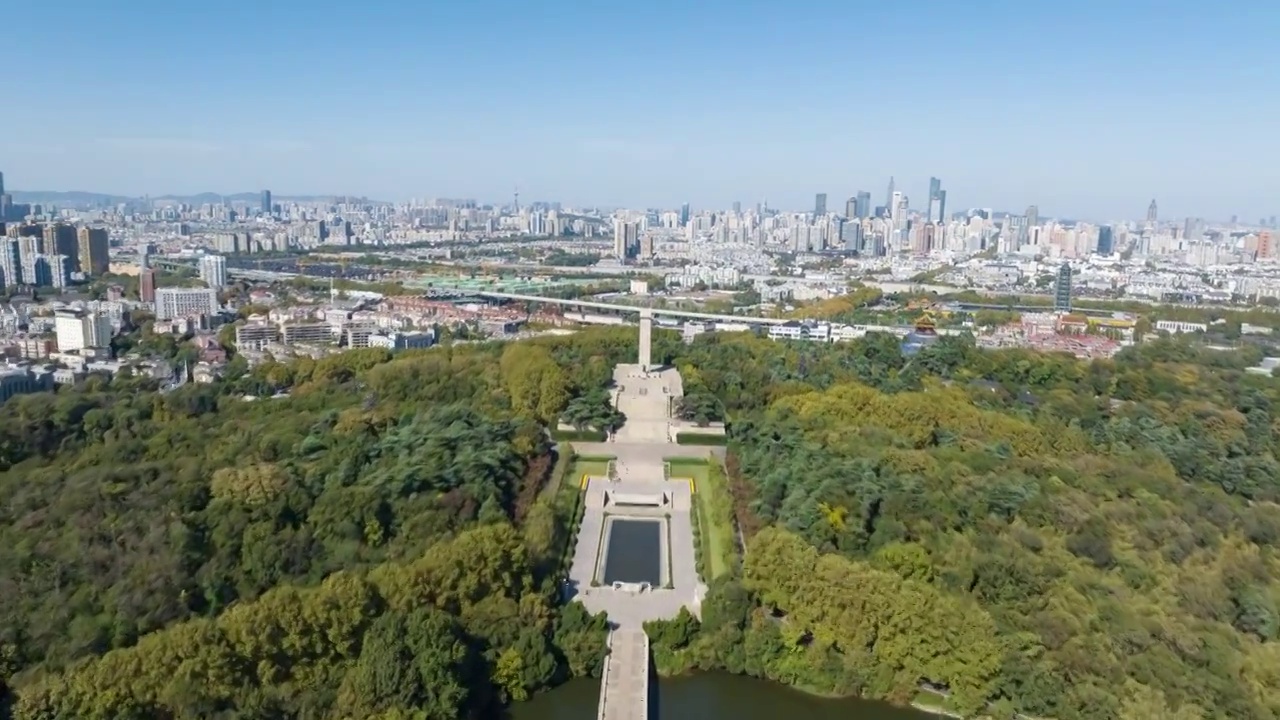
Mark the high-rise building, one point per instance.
(60, 239)
(1, 183)
(30, 248)
(864, 204)
(626, 238)
(266, 202)
(79, 329)
(1106, 241)
(147, 284)
(185, 302)
(1032, 221)
(1062, 290)
(684, 214)
(1193, 228)
(1153, 213)
(46, 270)
(737, 208)
(898, 209)
(851, 236)
(59, 270)
(888, 198)
(10, 262)
(230, 243)
(819, 204)
(213, 270)
(92, 251)
(1266, 246)
(851, 207)
(937, 200)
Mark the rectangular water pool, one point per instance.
(634, 554)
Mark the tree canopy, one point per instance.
(1028, 532)
(330, 536)
(364, 535)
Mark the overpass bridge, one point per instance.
(646, 316)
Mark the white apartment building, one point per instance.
(78, 330)
(255, 336)
(1178, 326)
(184, 302)
(213, 270)
(402, 341)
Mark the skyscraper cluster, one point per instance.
(32, 254)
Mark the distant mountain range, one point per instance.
(82, 199)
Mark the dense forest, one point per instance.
(1031, 533)
(369, 535)
(360, 536)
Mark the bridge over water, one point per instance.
(624, 685)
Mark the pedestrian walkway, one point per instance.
(624, 686)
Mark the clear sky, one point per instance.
(1087, 108)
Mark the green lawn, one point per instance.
(592, 466)
(686, 468)
(567, 498)
(715, 513)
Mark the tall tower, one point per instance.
(888, 198)
(864, 204)
(266, 202)
(1062, 290)
(1106, 240)
(937, 199)
(1152, 212)
(92, 251)
(819, 205)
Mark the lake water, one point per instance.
(714, 696)
(635, 552)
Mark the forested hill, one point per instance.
(161, 555)
(369, 536)
(1040, 535)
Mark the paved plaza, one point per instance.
(646, 398)
(639, 448)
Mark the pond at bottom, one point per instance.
(714, 696)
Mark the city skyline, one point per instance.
(1085, 111)
(932, 211)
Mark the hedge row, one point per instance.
(579, 435)
(697, 438)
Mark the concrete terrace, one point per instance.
(647, 397)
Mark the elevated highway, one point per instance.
(646, 316)
(642, 311)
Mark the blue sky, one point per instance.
(1088, 109)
